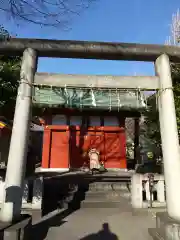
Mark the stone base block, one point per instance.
(166, 228)
(37, 193)
(16, 230)
(137, 191)
(155, 234)
(25, 191)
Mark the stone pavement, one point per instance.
(96, 224)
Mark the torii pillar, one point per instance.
(169, 136)
(16, 167)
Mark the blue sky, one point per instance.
(141, 21)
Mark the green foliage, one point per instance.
(151, 130)
(9, 76)
(3, 33)
(176, 88)
(152, 116)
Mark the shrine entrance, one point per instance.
(88, 92)
(93, 118)
(67, 142)
(109, 141)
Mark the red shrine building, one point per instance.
(68, 137)
(78, 120)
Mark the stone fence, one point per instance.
(32, 193)
(141, 194)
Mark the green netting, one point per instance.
(107, 99)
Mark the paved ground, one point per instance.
(96, 224)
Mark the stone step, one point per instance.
(100, 204)
(106, 194)
(115, 181)
(112, 174)
(105, 199)
(162, 219)
(112, 201)
(155, 234)
(109, 186)
(106, 179)
(96, 196)
(99, 199)
(168, 227)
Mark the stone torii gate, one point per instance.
(34, 48)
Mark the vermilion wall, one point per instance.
(64, 146)
(55, 147)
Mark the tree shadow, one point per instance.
(40, 230)
(54, 198)
(104, 234)
(77, 160)
(56, 192)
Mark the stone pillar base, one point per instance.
(37, 193)
(166, 228)
(17, 230)
(137, 191)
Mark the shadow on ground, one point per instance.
(66, 193)
(58, 194)
(104, 234)
(40, 230)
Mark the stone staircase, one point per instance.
(107, 190)
(106, 194)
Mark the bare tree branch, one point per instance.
(174, 38)
(56, 13)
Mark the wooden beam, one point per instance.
(99, 81)
(89, 50)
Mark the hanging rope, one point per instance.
(157, 100)
(141, 98)
(51, 94)
(161, 90)
(86, 97)
(145, 100)
(119, 101)
(80, 100)
(110, 100)
(93, 98)
(137, 97)
(66, 94)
